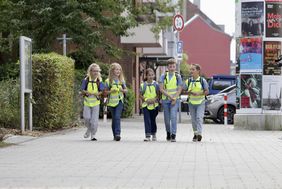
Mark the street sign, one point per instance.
(179, 49)
(178, 22)
(26, 78)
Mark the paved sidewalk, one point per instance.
(226, 158)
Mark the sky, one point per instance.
(221, 12)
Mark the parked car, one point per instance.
(215, 103)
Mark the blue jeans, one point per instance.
(116, 114)
(170, 116)
(150, 121)
(197, 115)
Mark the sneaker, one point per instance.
(195, 138)
(87, 134)
(168, 137)
(147, 139)
(93, 139)
(173, 136)
(199, 138)
(154, 138)
(117, 138)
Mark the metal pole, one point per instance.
(178, 70)
(64, 45)
(22, 83)
(30, 111)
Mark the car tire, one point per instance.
(230, 114)
(216, 120)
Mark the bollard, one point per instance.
(105, 111)
(225, 109)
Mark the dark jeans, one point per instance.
(116, 114)
(150, 121)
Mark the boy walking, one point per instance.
(170, 87)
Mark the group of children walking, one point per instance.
(167, 92)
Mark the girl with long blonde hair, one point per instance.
(91, 89)
(115, 89)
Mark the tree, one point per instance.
(184, 67)
(90, 23)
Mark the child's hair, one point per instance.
(111, 72)
(197, 66)
(148, 70)
(92, 66)
(171, 61)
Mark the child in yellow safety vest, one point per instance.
(170, 87)
(115, 89)
(91, 90)
(197, 89)
(149, 92)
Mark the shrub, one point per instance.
(129, 102)
(78, 100)
(10, 103)
(53, 91)
(104, 70)
(2, 135)
(9, 70)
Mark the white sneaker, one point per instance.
(87, 134)
(154, 138)
(147, 139)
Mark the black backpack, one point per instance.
(97, 82)
(202, 84)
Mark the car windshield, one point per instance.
(228, 89)
(221, 84)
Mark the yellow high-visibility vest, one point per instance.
(92, 100)
(149, 93)
(195, 86)
(170, 85)
(115, 97)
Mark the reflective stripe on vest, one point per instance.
(195, 86)
(150, 93)
(170, 85)
(91, 100)
(115, 97)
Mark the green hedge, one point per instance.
(53, 91)
(10, 103)
(129, 102)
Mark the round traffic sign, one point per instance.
(178, 22)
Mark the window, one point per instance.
(221, 84)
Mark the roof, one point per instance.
(193, 10)
(218, 29)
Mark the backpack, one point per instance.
(110, 86)
(202, 84)
(201, 80)
(97, 82)
(145, 86)
(177, 75)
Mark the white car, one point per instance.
(215, 103)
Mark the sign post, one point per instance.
(178, 24)
(64, 39)
(26, 79)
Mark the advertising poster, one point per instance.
(250, 96)
(272, 91)
(272, 51)
(252, 18)
(251, 54)
(237, 56)
(238, 19)
(238, 92)
(273, 20)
